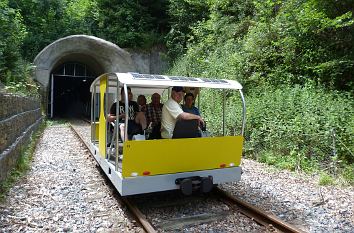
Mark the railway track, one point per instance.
(270, 222)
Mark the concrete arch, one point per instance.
(102, 56)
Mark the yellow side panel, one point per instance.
(180, 155)
(102, 118)
(97, 130)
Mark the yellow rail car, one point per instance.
(144, 166)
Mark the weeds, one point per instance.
(326, 179)
(23, 163)
(51, 122)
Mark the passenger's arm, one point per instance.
(111, 118)
(189, 116)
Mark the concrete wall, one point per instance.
(19, 117)
(153, 61)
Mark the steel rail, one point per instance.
(257, 214)
(146, 225)
(138, 215)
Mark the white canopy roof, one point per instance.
(152, 81)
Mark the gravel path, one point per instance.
(296, 198)
(63, 192)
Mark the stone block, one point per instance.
(10, 156)
(19, 117)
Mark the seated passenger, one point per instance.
(154, 115)
(172, 111)
(189, 104)
(142, 103)
(137, 120)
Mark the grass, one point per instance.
(23, 163)
(326, 179)
(344, 177)
(347, 175)
(51, 122)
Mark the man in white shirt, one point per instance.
(172, 111)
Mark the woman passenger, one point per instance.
(142, 103)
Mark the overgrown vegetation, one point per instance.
(132, 23)
(292, 127)
(28, 26)
(23, 164)
(294, 58)
(12, 67)
(277, 42)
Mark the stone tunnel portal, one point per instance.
(66, 68)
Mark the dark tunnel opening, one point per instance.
(69, 96)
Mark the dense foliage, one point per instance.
(276, 42)
(12, 34)
(126, 23)
(295, 123)
(294, 58)
(47, 21)
(132, 23)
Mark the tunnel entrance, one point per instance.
(69, 94)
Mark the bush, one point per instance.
(315, 123)
(326, 179)
(348, 174)
(292, 127)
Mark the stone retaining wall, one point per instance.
(19, 118)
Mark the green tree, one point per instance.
(12, 35)
(184, 14)
(44, 21)
(81, 17)
(300, 41)
(131, 23)
(49, 20)
(272, 41)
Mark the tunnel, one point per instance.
(69, 94)
(66, 68)
(69, 86)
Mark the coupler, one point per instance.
(189, 184)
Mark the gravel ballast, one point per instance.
(65, 192)
(296, 198)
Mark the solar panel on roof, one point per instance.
(147, 76)
(136, 75)
(211, 80)
(159, 77)
(176, 78)
(193, 79)
(222, 81)
(206, 80)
